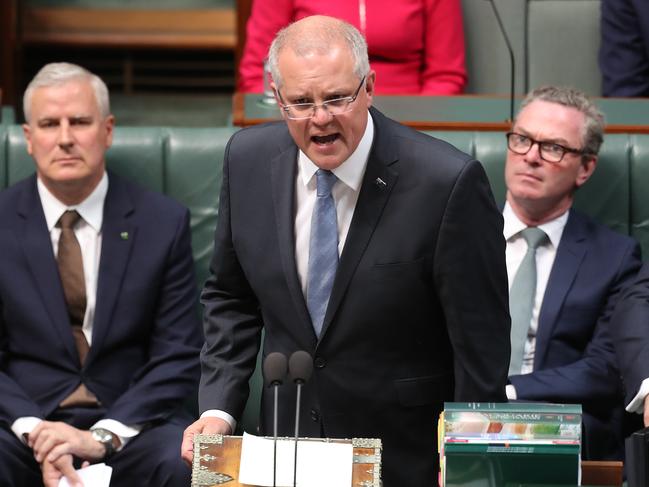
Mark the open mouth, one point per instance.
(325, 139)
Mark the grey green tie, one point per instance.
(521, 297)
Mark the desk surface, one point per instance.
(464, 112)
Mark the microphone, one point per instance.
(511, 59)
(275, 367)
(300, 367)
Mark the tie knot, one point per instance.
(325, 181)
(534, 237)
(69, 219)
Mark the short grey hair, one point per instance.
(593, 129)
(55, 74)
(319, 34)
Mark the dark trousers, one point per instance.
(151, 458)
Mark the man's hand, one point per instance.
(53, 440)
(646, 411)
(205, 426)
(54, 471)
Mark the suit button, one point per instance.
(319, 363)
(315, 416)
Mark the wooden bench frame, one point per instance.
(130, 28)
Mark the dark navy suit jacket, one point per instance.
(631, 333)
(143, 361)
(624, 51)
(574, 361)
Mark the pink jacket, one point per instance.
(415, 46)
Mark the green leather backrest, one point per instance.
(7, 115)
(183, 163)
(4, 148)
(607, 196)
(638, 153)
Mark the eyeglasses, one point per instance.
(337, 106)
(549, 151)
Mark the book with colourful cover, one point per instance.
(501, 443)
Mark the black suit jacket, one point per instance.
(143, 360)
(418, 313)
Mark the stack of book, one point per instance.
(509, 444)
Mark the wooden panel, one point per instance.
(195, 29)
(244, 7)
(601, 473)
(9, 51)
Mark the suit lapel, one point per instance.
(283, 173)
(118, 236)
(37, 246)
(378, 182)
(570, 255)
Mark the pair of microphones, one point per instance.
(298, 368)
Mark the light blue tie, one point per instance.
(323, 250)
(521, 297)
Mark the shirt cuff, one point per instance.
(23, 426)
(637, 404)
(510, 390)
(217, 413)
(123, 432)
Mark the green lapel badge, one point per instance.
(124, 235)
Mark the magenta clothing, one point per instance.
(415, 46)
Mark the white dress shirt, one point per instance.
(88, 233)
(637, 403)
(345, 194)
(545, 254)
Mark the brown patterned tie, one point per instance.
(74, 289)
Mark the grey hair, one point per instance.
(593, 129)
(305, 39)
(55, 74)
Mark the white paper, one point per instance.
(97, 475)
(319, 463)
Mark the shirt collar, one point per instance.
(513, 226)
(91, 209)
(351, 171)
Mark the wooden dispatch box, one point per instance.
(217, 457)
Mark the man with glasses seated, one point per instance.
(375, 248)
(566, 272)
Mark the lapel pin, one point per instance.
(379, 183)
(124, 235)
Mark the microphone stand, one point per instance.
(275, 368)
(511, 59)
(297, 428)
(300, 367)
(275, 407)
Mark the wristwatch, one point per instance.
(106, 438)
